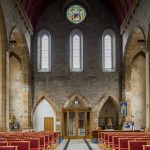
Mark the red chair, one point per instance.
(34, 143)
(8, 148)
(51, 140)
(123, 143)
(3, 143)
(115, 141)
(42, 142)
(146, 147)
(22, 145)
(136, 145)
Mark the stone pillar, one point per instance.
(2, 85)
(94, 119)
(147, 91)
(7, 91)
(59, 125)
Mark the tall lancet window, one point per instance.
(44, 51)
(109, 51)
(76, 51)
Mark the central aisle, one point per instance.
(76, 144)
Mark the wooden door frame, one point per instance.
(76, 110)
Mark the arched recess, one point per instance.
(18, 51)
(108, 111)
(15, 89)
(134, 51)
(3, 47)
(43, 109)
(138, 90)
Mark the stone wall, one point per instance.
(12, 22)
(131, 46)
(140, 18)
(92, 83)
(13, 19)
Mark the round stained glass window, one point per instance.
(76, 14)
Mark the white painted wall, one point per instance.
(43, 109)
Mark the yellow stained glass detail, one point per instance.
(76, 14)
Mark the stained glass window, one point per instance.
(76, 14)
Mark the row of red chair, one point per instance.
(123, 140)
(28, 140)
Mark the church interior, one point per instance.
(72, 71)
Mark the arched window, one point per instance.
(76, 51)
(44, 51)
(108, 51)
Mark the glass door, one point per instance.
(65, 127)
(76, 124)
(81, 124)
(72, 124)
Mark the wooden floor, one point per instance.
(77, 144)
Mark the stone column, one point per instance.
(147, 90)
(2, 85)
(7, 91)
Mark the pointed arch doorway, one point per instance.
(76, 120)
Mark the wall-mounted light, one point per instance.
(12, 43)
(76, 102)
(143, 43)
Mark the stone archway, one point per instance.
(43, 109)
(108, 111)
(134, 58)
(49, 100)
(15, 89)
(18, 52)
(39, 113)
(138, 90)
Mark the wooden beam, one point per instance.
(129, 15)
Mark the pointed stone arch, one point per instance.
(135, 48)
(82, 100)
(103, 100)
(43, 108)
(18, 48)
(15, 55)
(141, 53)
(48, 99)
(108, 112)
(138, 90)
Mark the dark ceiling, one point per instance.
(34, 8)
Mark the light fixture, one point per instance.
(76, 102)
(12, 43)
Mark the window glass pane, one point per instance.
(44, 52)
(76, 52)
(108, 52)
